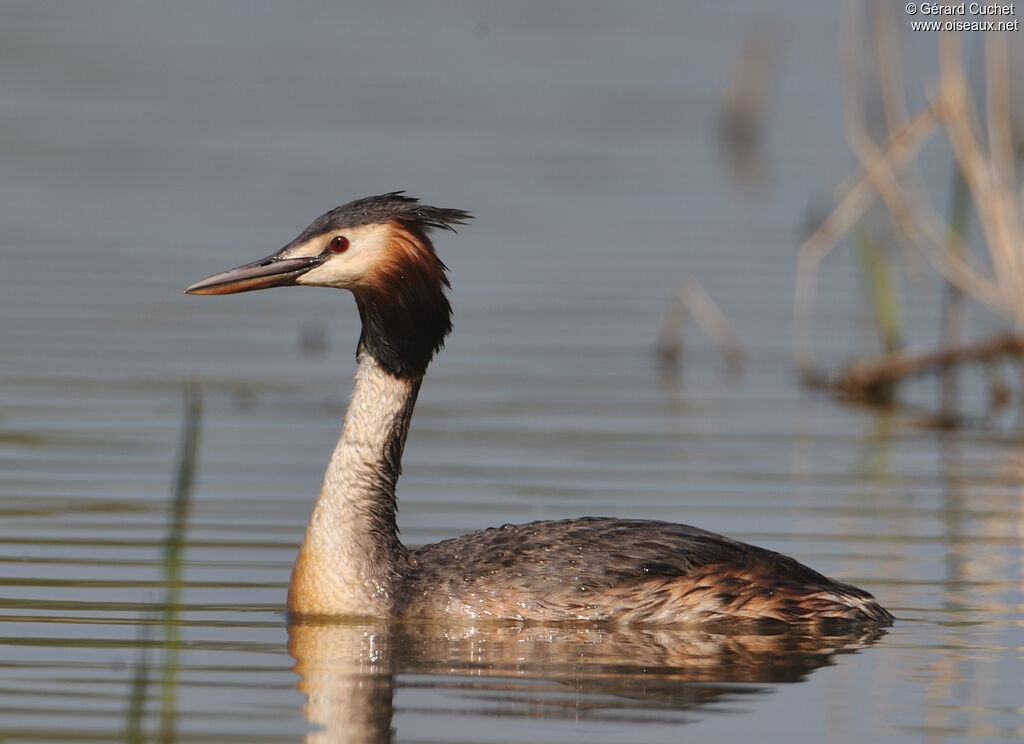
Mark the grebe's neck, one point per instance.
(351, 556)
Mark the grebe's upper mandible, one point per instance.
(592, 569)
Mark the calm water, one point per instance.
(147, 145)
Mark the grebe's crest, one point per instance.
(394, 206)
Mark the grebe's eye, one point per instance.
(338, 244)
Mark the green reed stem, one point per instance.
(954, 301)
(137, 696)
(882, 288)
(173, 550)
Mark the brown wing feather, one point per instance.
(618, 570)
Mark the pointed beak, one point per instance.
(272, 271)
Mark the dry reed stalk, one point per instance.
(888, 172)
(859, 379)
(691, 299)
(858, 195)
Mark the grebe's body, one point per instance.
(352, 563)
(620, 570)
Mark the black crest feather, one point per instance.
(394, 206)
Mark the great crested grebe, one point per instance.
(352, 563)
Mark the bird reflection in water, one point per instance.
(350, 669)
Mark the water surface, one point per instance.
(145, 146)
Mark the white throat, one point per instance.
(351, 555)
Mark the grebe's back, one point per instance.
(620, 570)
(351, 561)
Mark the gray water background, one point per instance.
(146, 145)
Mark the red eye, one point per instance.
(338, 244)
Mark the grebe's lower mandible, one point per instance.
(592, 569)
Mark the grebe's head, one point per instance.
(379, 249)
